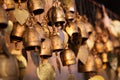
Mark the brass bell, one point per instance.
(90, 64)
(104, 36)
(69, 5)
(20, 1)
(65, 38)
(58, 15)
(40, 31)
(71, 28)
(36, 6)
(109, 46)
(82, 28)
(49, 16)
(31, 39)
(17, 32)
(9, 5)
(57, 43)
(99, 46)
(3, 18)
(104, 57)
(89, 27)
(46, 48)
(98, 62)
(69, 15)
(67, 57)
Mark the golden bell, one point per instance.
(36, 6)
(9, 5)
(46, 48)
(17, 32)
(40, 31)
(20, 1)
(104, 57)
(31, 39)
(57, 43)
(82, 28)
(70, 15)
(67, 57)
(69, 5)
(3, 18)
(71, 28)
(104, 36)
(49, 16)
(109, 46)
(98, 62)
(99, 46)
(90, 64)
(58, 15)
(89, 27)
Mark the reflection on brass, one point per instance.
(99, 46)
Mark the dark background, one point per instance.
(113, 5)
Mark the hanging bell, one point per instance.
(109, 46)
(20, 1)
(69, 15)
(104, 36)
(31, 39)
(57, 43)
(99, 46)
(98, 62)
(36, 6)
(49, 16)
(67, 57)
(58, 15)
(69, 5)
(3, 18)
(40, 31)
(82, 28)
(89, 27)
(9, 5)
(90, 64)
(71, 28)
(104, 57)
(17, 32)
(46, 48)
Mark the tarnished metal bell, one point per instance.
(36, 6)
(46, 48)
(67, 57)
(104, 57)
(31, 39)
(69, 15)
(109, 46)
(9, 5)
(17, 32)
(58, 15)
(71, 28)
(82, 28)
(99, 46)
(40, 31)
(3, 18)
(57, 43)
(90, 64)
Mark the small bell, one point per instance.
(9, 5)
(46, 48)
(36, 6)
(3, 18)
(58, 14)
(104, 57)
(57, 43)
(109, 46)
(99, 46)
(31, 39)
(17, 32)
(69, 15)
(67, 57)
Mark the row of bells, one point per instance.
(35, 36)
